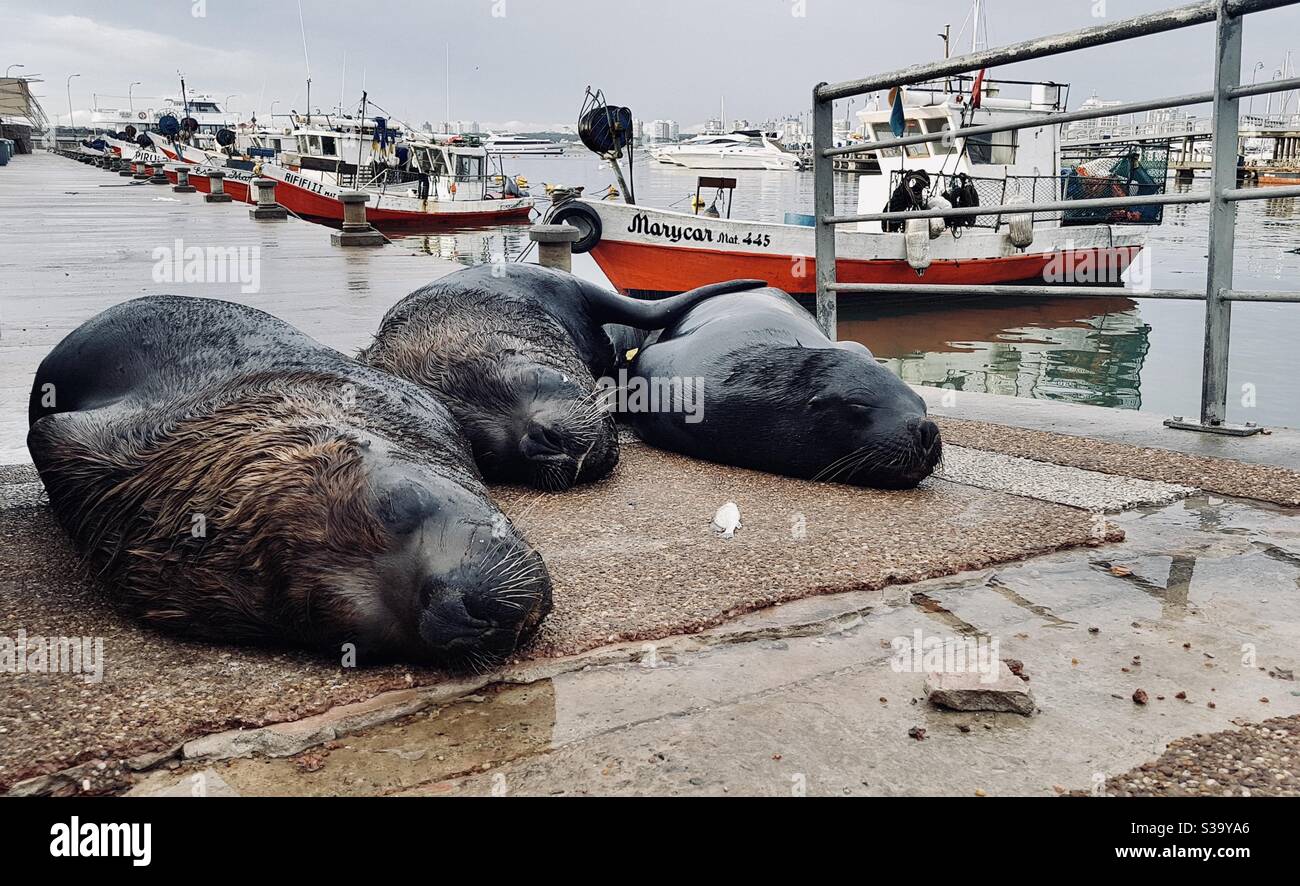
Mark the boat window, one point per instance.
(468, 167)
(938, 124)
(314, 141)
(882, 132)
(327, 146)
(994, 147)
(302, 145)
(914, 128)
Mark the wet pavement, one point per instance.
(1201, 599)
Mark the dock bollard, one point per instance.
(218, 193)
(356, 230)
(159, 176)
(266, 207)
(554, 245)
(183, 185)
(141, 171)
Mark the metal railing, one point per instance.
(1223, 195)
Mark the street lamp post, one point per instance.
(1268, 110)
(1250, 108)
(130, 104)
(11, 67)
(69, 86)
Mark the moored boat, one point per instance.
(743, 149)
(648, 250)
(400, 202)
(510, 145)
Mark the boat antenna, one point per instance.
(306, 60)
(343, 88)
(448, 85)
(361, 132)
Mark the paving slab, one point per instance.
(1281, 446)
(1091, 490)
(1244, 479)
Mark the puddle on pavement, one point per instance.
(472, 734)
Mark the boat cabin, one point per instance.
(1016, 159)
(339, 143)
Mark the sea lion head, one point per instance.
(454, 582)
(532, 422)
(829, 414)
(871, 428)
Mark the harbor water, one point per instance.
(1130, 353)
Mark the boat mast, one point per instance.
(306, 60)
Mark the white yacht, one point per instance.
(144, 113)
(743, 149)
(519, 144)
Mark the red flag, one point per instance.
(977, 90)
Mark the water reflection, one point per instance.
(466, 246)
(1081, 351)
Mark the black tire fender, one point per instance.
(585, 219)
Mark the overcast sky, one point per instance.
(527, 62)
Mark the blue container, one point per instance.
(6, 151)
(799, 218)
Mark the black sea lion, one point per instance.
(231, 478)
(769, 391)
(515, 352)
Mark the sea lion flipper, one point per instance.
(610, 307)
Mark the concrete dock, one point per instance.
(1102, 552)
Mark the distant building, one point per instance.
(458, 127)
(790, 130)
(664, 130)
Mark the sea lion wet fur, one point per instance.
(229, 478)
(516, 352)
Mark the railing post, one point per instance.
(1218, 311)
(823, 206)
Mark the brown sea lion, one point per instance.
(230, 478)
(515, 351)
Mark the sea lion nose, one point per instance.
(540, 442)
(925, 432)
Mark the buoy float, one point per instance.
(937, 225)
(1020, 226)
(917, 241)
